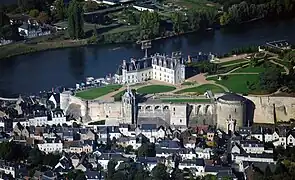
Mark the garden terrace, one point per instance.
(202, 89)
(153, 89)
(240, 83)
(94, 93)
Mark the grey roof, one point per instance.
(108, 156)
(197, 162)
(232, 97)
(138, 64)
(148, 160)
(251, 143)
(216, 168)
(148, 127)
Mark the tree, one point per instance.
(177, 174)
(4, 19)
(111, 169)
(60, 9)
(177, 19)
(34, 12)
(75, 20)
(159, 172)
(267, 172)
(270, 79)
(194, 20)
(146, 150)
(149, 24)
(43, 17)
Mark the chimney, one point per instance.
(189, 59)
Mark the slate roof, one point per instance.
(232, 97)
(148, 160)
(251, 143)
(139, 64)
(197, 162)
(216, 168)
(146, 127)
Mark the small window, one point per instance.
(180, 120)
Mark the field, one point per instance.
(97, 92)
(195, 4)
(258, 69)
(202, 89)
(237, 61)
(153, 89)
(238, 83)
(181, 100)
(188, 83)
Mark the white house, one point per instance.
(203, 153)
(38, 121)
(7, 169)
(291, 138)
(30, 31)
(51, 147)
(254, 158)
(198, 164)
(252, 146)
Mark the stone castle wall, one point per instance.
(269, 108)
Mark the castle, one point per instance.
(223, 111)
(159, 67)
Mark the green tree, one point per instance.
(75, 20)
(177, 20)
(225, 19)
(159, 172)
(111, 169)
(267, 172)
(194, 20)
(34, 12)
(270, 79)
(43, 17)
(4, 19)
(177, 174)
(60, 9)
(149, 24)
(146, 150)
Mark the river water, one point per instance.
(31, 73)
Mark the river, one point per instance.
(31, 73)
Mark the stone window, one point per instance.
(180, 120)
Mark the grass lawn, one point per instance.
(238, 83)
(202, 89)
(180, 100)
(118, 96)
(121, 29)
(97, 92)
(195, 4)
(227, 63)
(260, 68)
(188, 83)
(152, 89)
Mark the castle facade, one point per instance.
(161, 67)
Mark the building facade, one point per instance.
(159, 67)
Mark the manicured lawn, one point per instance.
(233, 62)
(152, 89)
(258, 69)
(188, 83)
(202, 89)
(186, 100)
(97, 92)
(238, 83)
